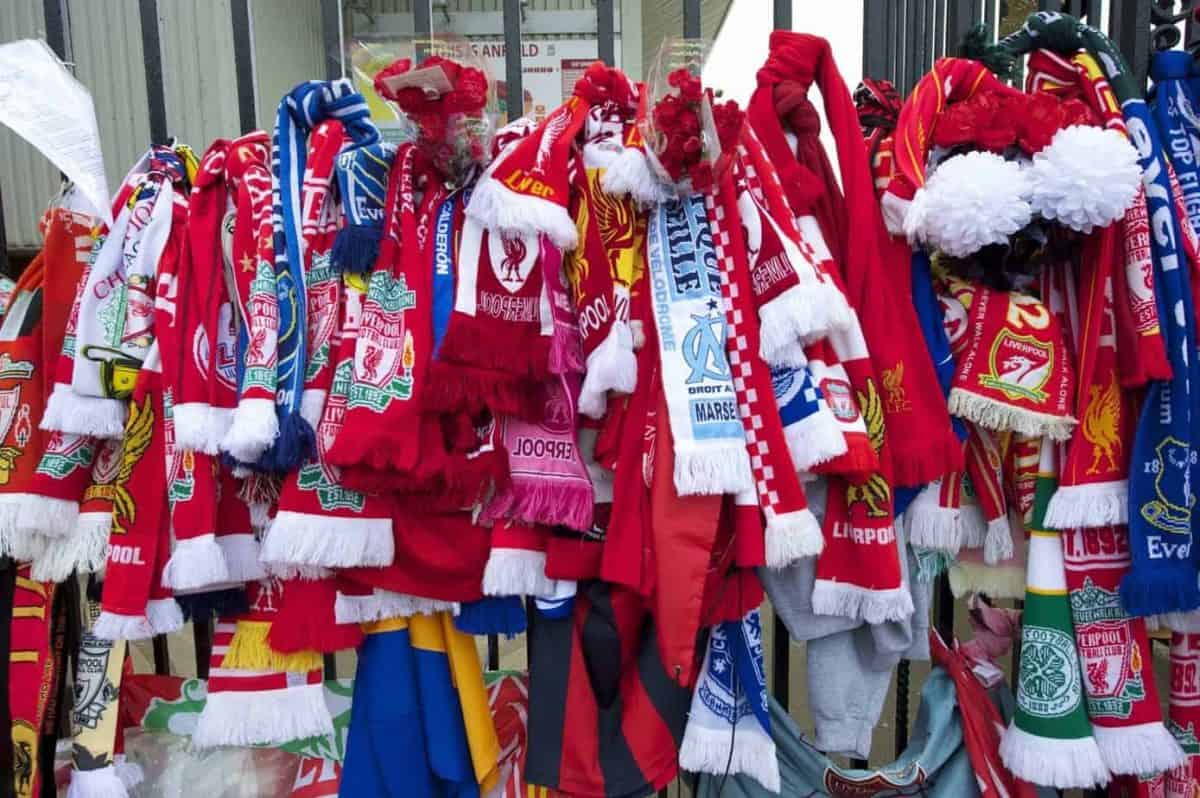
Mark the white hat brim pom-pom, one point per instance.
(970, 201)
(1087, 177)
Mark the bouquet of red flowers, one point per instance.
(692, 135)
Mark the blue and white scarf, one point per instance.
(362, 177)
(300, 111)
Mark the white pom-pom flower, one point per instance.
(969, 201)
(1086, 177)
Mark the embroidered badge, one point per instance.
(1045, 687)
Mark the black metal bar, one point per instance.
(939, 36)
(925, 37)
(162, 658)
(202, 637)
(958, 22)
(859, 764)
(330, 663)
(243, 63)
(605, 32)
(891, 41)
(1129, 28)
(903, 672)
(4, 263)
(156, 92)
(944, 607)
(781, 663)
(514, 91)
(1075, 8)
(912, 43)
(874, 42)
(331, 38)
(493, 652)
(422, 27)
(783, 14)
(1050, 5)
(691, 19)
(54, 13)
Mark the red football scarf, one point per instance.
(874, 267)
(1143, 352)
(984, 463)
(1115, 655)
(31, 679)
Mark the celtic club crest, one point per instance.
(1047, 686)
(384, 355)
(1019, 366)
(512, 260)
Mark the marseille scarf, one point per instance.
(729, 726)
(710, 447)
(792, 531)
(299, 113)
(254, 425)
(1118, 676)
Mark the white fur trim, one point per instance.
(195, 563)
(516, 572)
(1001, 582)
(263, 717)
(792, 536)
(1086, 177)
(852, 601)
(241, 557)
(935, 527)
(252, 431)
(815, 440)
(21, 546)
(630, 174)
(46, 515)
(707, 471)
(328, 541)
(497, 208)
(1064, 764)
(312, 405)
(67, 411)
(707, 750)
(968, 202)
(1133, 750)
(384, 604)
(1086, 506)
(995, 415)
(611, 366)
(998, 542)
(104, 782)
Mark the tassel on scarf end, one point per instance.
(630, 174)
(998, 542)
(994, 415)
(328, 541)
(164, 616)
(356, 249)
(708, 751)
(196, 563)
(312, 405)
(845, 600)
(102, 782)
(972, 528)
(83, 550)
(20, 546)
(68, 411)
(114, 626)
(1061, 763)
(500, 210)
(539, 502)
(814, 441)
(241, 557)
(713, 471)
(250, 650)
(263, 717)
(45, 515)
(803, 314)
(995, 581)
(611, 366)
(380, 605)
(516, 572)
(252, 431)
(1152, 592)
(1086, 506)
(934, 528)
(1134, 750)
(914, 465)
(792, 536)
(296, 443)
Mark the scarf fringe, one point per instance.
(329, 541)
(994, 415)
(130, 773)
(612, 366)
(295, 443)
(1064, 764)
(994, 581)
(384, 604)
(793, 536)
(356, 248)
(100, 783)
(453, 388)
(998, 542)
(973, 528)
(845, 600)
(630, 174)
(195, 563)
(712, 472)
(1089, 505)
(937, 528)
(241, 552)
(67, 411)
(162, 617)
(263, 717)
(537, 501)
(1182, 622)
(523, 356)
(83, 550)
(708, 751)
(801, 315)
(516, 572)
(1133, 750)
(200, 427)
(312, 405)
(46, 515)
(814, 441)
(252, 431)
(249, 650)
(913, 466)
(20, 546)
(566, 354)
(504, 211)
(1151, 592)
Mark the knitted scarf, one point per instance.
(873, 267)
(362, 179)
(1122, 699)
(31, 682)
(300, 112)
(1184, 713)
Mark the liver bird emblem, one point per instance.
(138, 431)
(1100, 425)
(874, 491)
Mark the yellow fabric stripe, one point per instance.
(467, 673)
(386, 625)
(23, 656)
(426, 633)
(28, 584)
(1040, 591)
(249, 650)
(29, 612)
(1044, 533)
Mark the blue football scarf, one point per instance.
(300, 111)
(445, 230)
(362, 177)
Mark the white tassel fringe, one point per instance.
(67, 411)
(516, 572)
(611, 366)
(194, 564)
(630, 175)
(1133, 750)
(253, 429)
(792, 536)
(1087, 506)
(852, 601)
(708, 751)
(103, 782)
(1063, 764)
(713, 470)
(384, 604)
(497, 208)
(998, 542)
(241, 557)
(303, 539)
(995, 415)
(264, 717)
(45, 515)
